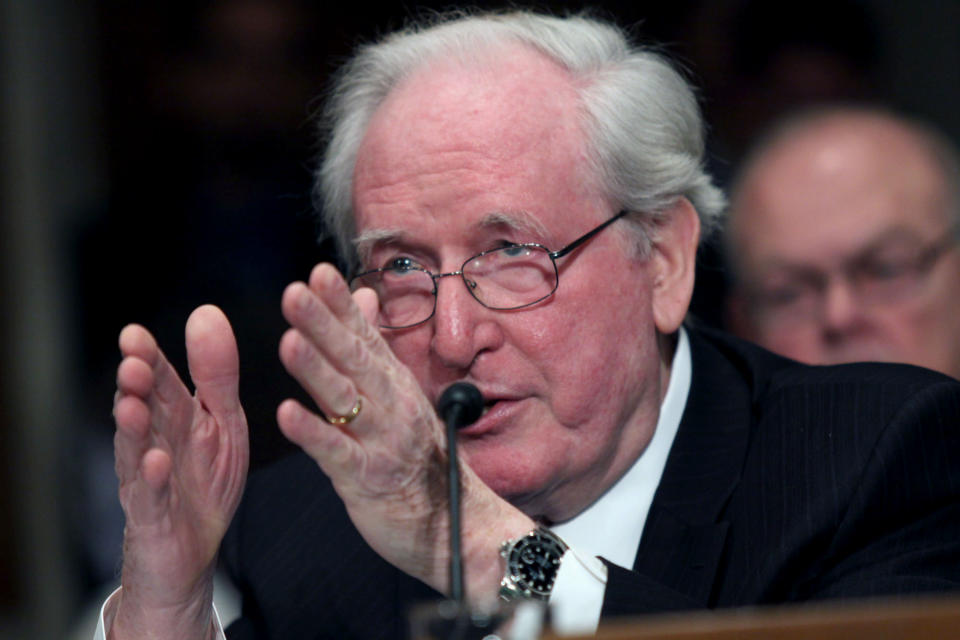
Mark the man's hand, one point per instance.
(389, 464)
(182, 463)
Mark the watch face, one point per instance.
(533, 563)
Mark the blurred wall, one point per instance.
(51, 158)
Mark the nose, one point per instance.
(463, 329)
(841, 312)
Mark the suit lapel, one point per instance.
(684, 537)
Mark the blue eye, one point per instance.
(514, 250)
(400, 264)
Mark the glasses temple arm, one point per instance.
(559, 253)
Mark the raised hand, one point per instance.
(389, 463)
(182, 462)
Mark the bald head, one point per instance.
(842, 237)
(842, 168)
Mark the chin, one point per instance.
(865, 354)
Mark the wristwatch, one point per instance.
(533, 561)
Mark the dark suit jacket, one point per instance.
(785, 483)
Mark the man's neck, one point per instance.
(667, 347)
(566, 502)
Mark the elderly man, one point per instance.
(843, 235)
(524, 197)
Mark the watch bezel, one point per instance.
(521, 554)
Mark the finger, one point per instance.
(168, 388)
(134, 376)
(213, 361)
(334, 393)
(327, 284)
(131, 413)
(368, 304)
(155, 470)
(347, 352)
(332, 448)
(145, 500)
(132, 417)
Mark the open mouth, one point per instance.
(495, 410)
(496, 407)
(487, 405)
(479, 425)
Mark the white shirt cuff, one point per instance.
(109, 610)
(575, 601)
(577, 596)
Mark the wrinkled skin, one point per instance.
(182, 461)
(389, 464)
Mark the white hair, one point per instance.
(645, 135)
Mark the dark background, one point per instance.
(157, 156)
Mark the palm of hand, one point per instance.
(181, 459)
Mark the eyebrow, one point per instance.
(516, 220)
(519, 221)
(366, 241)
(894, 237)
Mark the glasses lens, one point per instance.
(511, 277)
(406, 295)
(787, 304)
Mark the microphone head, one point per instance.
(462, 401)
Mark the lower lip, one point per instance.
(492, 420)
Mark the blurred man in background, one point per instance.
(842, 237)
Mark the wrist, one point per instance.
(483, 564)
(135, 616)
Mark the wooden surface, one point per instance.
(923, 618)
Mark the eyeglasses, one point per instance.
(510, 277)
(875, 278)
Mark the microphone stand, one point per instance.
(460, 405)
(453, 496)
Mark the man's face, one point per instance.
(459, 161)
(846, 252)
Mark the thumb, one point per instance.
(213, 360)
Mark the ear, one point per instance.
(673, 263)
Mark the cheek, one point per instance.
(592, 354)
(412, 349)
(800, 342)
(928, 324)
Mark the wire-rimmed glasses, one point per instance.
(874, 278)
(506, 278)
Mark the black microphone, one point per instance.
(460, 405)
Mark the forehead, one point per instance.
(834, 190)
(461, 141)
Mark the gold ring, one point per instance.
(347, 419)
